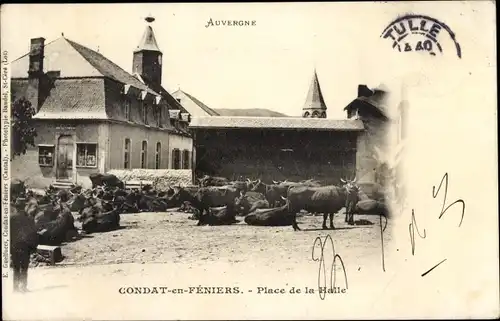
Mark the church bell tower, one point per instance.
(315, 106)
(148, 57)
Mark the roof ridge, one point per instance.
(201, 104)
(73, 43)
(102, 69)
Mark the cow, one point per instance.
(207, 197)
(206, 181)
(101, 222)
(224, 215)
(372, 202)
(241, 185)
(249, 202)
(327, 200)
(57, 231)
(17, 188)
(111, 180)
(273, 193)
(23, 242)
(277, 216)
(276, 192)
(179, 195)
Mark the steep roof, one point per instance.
(277, 123)
(375, 101)
(76, 65)
(314, 99)
(148, 41)
(75, 60)
(68, 99)
(197, 104)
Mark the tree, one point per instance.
(23, 132)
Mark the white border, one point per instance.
(5, 100)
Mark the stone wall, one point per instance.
(161, 178)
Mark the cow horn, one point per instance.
(241, 193)
(342, 180)
(275, 182)
(249, 180)
(284, 198)
(354, 180)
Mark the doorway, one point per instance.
(65, 157)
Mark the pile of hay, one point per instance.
(161, 178)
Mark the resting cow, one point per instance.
(206, 181)
(57, 231)
(249, 202)
(23, 242)
(327, 200)
(270, 217)
(111, 180)
(101, 222)
(207, 197)
(225, 215)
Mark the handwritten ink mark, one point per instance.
(435, 266)
(412, 227)
(443, 209)
(382, 239)
(322, 266)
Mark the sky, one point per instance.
(269, 65)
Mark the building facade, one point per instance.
(92, 116)
(273, 148)
(295, 148)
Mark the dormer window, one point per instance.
(144, 112)
(127, 109)
(158, 116)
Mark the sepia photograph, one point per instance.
(249, 161)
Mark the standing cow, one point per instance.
(23, 242)
(327, 200)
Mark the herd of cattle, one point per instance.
(47, 218)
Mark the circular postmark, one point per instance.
(419, 33)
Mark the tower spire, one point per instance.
(314, 106)
(147, 60)
(148, 40)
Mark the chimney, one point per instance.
(36, 56)
(364, 91)
(35, 71)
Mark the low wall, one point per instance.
(161, 178)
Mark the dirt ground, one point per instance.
(168, 249)
(171, 237)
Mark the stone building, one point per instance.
(93, 116)
(293, 148)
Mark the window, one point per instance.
(86, 155)
(144, 112)
(158, 155)
(158, 116)
(126, 156)
(176, 159)
(185, 159)
(127, 109)
(46, 155)
(144, 154)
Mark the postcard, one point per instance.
(249, 161)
